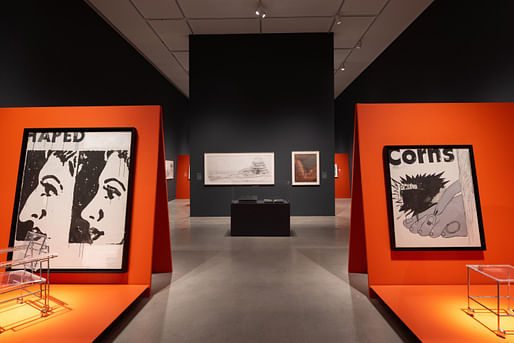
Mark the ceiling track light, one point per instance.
(359, 45)
(339, 20)
(260, 12)
(342, 67)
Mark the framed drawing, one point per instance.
(433, 200)
(75, 185)
(169, 169)
(249, 168)
(305, 168)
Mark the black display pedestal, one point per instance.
(259, 219)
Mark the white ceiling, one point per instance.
(160, 29)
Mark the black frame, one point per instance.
(128, 213)
(390, 200)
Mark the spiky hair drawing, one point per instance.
(415, 194)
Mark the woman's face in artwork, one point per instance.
(106, 212)
(49, 205)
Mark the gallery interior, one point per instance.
(312, 171)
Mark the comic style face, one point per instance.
(73, 187)
(103, 212)
(50, 203)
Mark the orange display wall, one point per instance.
(488, 128)
(149, 238)
(342, 182)
(183, 177)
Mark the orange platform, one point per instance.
(80, 313)
(436, 313)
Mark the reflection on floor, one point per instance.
(258, 289)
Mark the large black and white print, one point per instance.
(433, 198)
(252, 168)
(74, 186)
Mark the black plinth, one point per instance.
(259, 219)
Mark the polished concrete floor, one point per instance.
(258, 289)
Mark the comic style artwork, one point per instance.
(74, 186)
(239, 168)
(433, 198)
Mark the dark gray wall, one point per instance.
(262, 93)
(61, 53)
(456, 51)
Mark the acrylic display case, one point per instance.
(489, 286)
(25, 271)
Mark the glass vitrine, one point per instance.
(489, 287)
(24, 271)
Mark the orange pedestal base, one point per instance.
(436, 313)
(80, 313)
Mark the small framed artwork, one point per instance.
(74, 186)
(252, 168)
(169, 169)
(432, 197)
(305, 168)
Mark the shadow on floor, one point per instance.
(394, 321)
(118, 325)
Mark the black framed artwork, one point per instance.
(432, 195)
(75, 186)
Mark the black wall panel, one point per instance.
(61, 53)
(455, 51)
(262, 93)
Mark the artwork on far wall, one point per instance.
(249, 168)
(305, 168)
(75, 185)
(169, 169)
(433, 198)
